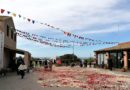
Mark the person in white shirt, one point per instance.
(22, 69)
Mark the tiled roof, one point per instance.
(121, 46)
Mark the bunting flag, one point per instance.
(29, 19)
(48, 25)
(2, 11)
(14, 14)
(33, 37)
(24, 18)
(33, 21)
(19, 16)
(53, 41)
(8, 12)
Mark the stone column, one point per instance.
(125, 59)
(27, 58)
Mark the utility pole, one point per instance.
(73, 51)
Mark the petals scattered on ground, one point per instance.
(87, 78)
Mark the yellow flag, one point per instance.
(14, 14)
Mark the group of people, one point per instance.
(82, 64)
(110, 63)
(48, 65)
(85, 63)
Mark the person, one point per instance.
(22, 69)
(94, 63)
(72, 64)
(45, 64)
(102, 64)
(85, 63)
(50, 65)
(122, 62)
(90, 63)
(110, 63)
(81, 64)
(19, 61)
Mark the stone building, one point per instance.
(8, 44)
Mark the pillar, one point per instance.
(106, 57)
(27, 59)
(125, 56)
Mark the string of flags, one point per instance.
(2, 11)
(53, 41)
(41, 41)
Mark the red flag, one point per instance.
(59, 62)
(2, 11)
(66, 33)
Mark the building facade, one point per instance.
(117, 53)
(9, 38)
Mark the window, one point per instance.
(12, 34)
(7, 30)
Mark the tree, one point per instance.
(90, 59)
(69, 58)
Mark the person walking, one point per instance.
(45, 65)
(85, 63)
(110, 63)
(122, 62)
(81, 63)
(22, 69)
(50, 65)
(19, 62)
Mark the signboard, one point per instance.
(1, 48)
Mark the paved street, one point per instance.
(72, 80)
(14, 82)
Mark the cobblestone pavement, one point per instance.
(13, 82)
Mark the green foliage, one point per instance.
(69, 58)
(90, 59)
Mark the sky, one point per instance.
(106, 20)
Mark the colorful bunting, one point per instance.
(34, 38)
(8, 12)
(33, 21)
(38, 38)
(14, 14)
(29, 19)
(19, 16)
(65, 33)
(24, 18)
(2, 11)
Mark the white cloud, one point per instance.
(114, 28)
(70, 15)
(24, 43)
(66, 14)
